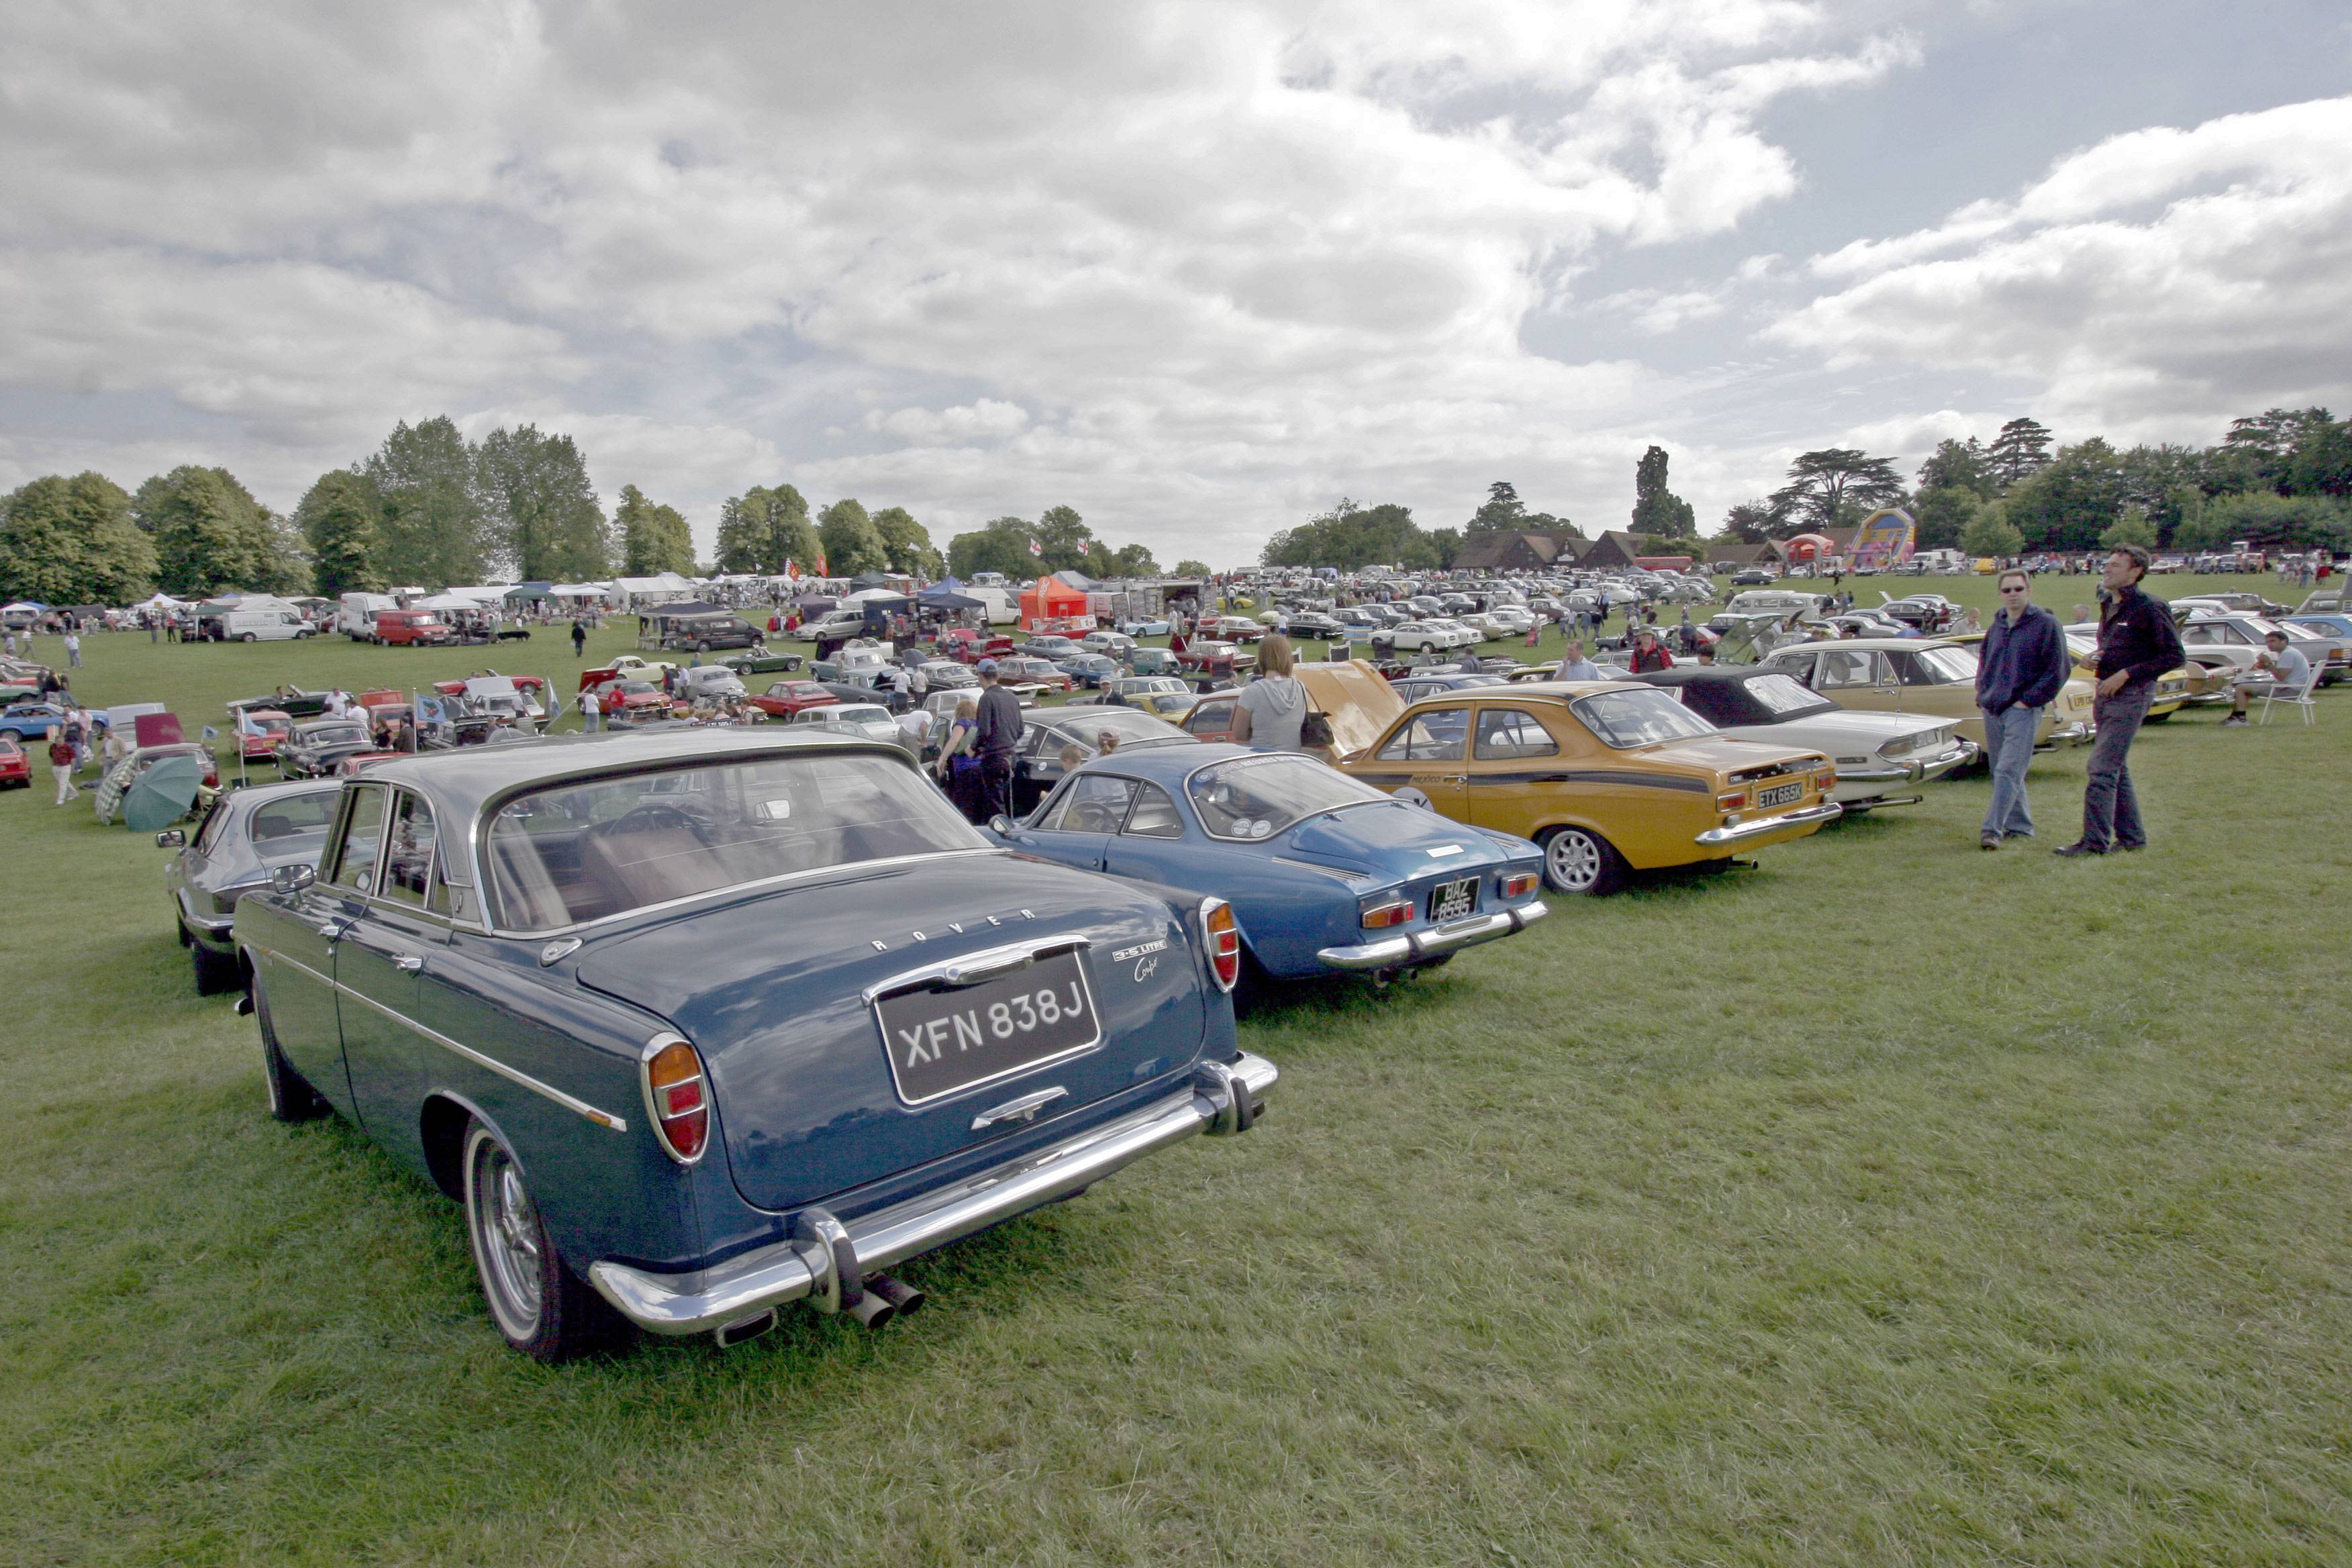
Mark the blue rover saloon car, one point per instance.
(697, 1023)
(1325, 873)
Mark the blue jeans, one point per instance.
(2110, 806)
(2009, 747)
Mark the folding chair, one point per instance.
(2293, 697)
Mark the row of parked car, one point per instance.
(697, 1023)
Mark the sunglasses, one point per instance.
(2014, 588)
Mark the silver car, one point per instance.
(245, 835)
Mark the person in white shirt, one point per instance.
(2290, 674)
(915, 729)
(591, 712)
(1574, 665)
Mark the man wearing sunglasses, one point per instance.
(2022, 669)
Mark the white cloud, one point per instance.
(1194, 268)
(2155, 284)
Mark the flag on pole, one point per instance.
(824, 568)
(1035, 548)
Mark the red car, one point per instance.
(1211, 718)
(15, 768)
(264, 729)
(1019, 671)
(968, 646)
(1218, 658)
(786, 698)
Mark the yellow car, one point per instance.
(1607, 777)
(1934, 676)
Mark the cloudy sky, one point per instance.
(1197, 269)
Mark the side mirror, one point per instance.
(291, 879)
(1000, 824)
(172, 838)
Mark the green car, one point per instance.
(761, 662)
(1152, 661)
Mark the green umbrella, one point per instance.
(161, 795)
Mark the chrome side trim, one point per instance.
(1739, 832)
(700, 1300)
(513, 1075)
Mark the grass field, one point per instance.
(1889, 1203)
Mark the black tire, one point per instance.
(1579, 860)
(291, 1098)
(702, 647)
(215, 974)
(249, 638)
(540, 1306)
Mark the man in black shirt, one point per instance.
(2137, 644)
(996, 731)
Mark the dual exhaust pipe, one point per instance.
(874, 1302)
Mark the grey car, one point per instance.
(245, 835)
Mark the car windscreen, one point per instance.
(1255, 798)
(335, 735)
(1783, 695)
(1627, 718)
(585, 850)
(308, 814)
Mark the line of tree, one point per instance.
(2279, 479)
(1062, 542)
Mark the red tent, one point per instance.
(1049, 601)
(1809, 546)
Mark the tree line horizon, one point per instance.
(431, 507)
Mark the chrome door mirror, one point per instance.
(291, 879)
(172, 838)
(1000, 824)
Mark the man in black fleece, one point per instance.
(2137, 644)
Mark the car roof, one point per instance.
(461, 781)
(1708, 674)
(1888, 645)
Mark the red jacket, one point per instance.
(1654, 657)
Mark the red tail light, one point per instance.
(1521, 884)
(1731, 801)
(678, 1098)
(1392, 913)
(1225, 938)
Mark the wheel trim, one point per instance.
(1573, 859)
(505, 1227)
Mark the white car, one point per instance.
(1426, 635)
(1876, 753)
(1510, 621)
(870, 720)
(1115, 643)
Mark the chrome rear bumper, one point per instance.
(1453, 936)
(1740, 832)
(1222, 1097)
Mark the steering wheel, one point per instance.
(651, 817)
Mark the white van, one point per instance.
(1003, 603)
(263, 626)
(355, 613)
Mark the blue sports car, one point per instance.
(1324, 874)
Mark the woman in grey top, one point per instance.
(1271, 708)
